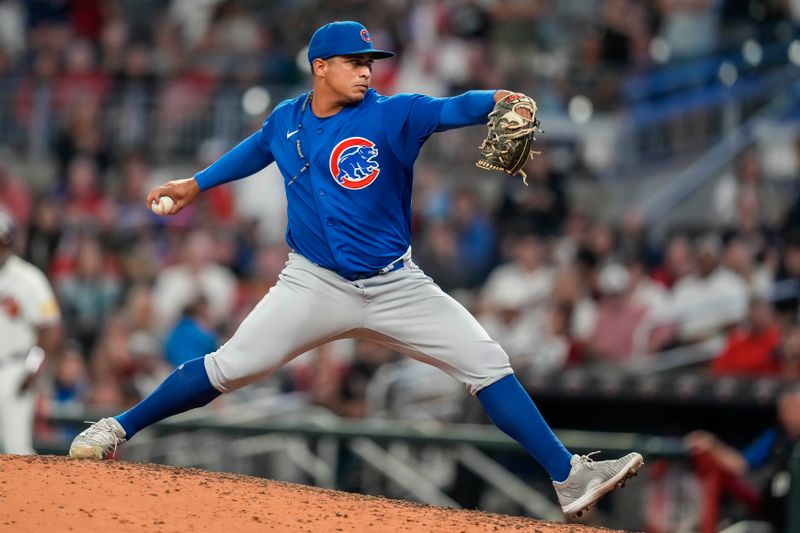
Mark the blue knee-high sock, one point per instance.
(512, 410)
(185, 388)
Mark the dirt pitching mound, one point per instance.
(47, 493)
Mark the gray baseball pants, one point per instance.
(403, 310)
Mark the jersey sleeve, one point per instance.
(40, 306)
(466, 109)
(244, 159)
(411, 118)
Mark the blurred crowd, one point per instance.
(110, 91)
(106, 76)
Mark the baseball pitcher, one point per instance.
(30, 327)
(347, 155)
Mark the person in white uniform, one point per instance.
(30, 329)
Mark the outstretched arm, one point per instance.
(469, 108)
(729, 458)
(246, 158)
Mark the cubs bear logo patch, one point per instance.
(353, 163)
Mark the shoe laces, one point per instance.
(101, 429)
(587, 460)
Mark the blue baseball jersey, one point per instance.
(350, 211)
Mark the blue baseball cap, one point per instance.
(343, 38)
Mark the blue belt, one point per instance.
(390, 268)
(397, 264)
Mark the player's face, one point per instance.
(349, 76)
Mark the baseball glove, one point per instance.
(509, 142)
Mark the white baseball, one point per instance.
(163, 205)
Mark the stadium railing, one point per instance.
(383, 444)
(681, 109)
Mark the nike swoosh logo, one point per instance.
(290, 133)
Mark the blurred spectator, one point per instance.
(539, 208)
(527, 276)
(552, 346)
(87, 18)
(620, 21)
(752, 231)
(345, 393)
(535, 340)
(113, 41)
(788, 353)
(745, 184)
(135, 88)
(267, 265)
(678, 261)
(182, 98)
(132, 215)
(475, 236)
(787, 281)
(234, 29)
(106, 394)
(617, 318)
(739, 259)
(766, 458)
(88, 295)
(509, 321)
(644, 290)
(602, 242)
(150, 368)
(82, 137)
(112, 360)
(193, 17)
(750, 348)
(220, 201)
(81, 81)
(689, 27)
(572, 294)
(15, 198)
(71, 383)
(261, 198)
(574, 235)
(12, 28)
(192, 336)
(138, 310)
(438, 257)
(590, 75)
(44, 234)
(634, 242)
(791, 220)
(34, 103)
(85, 205)
(196, 274)
(711, 298)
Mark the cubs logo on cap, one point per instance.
(343, 38)
(353, 163)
